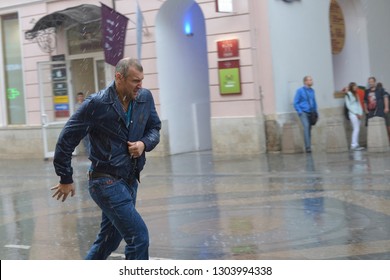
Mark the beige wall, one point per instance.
(32, 54)
(219, 26)
(273, 59)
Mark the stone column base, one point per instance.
(239, 135)
(377, 139)
(292, 139)
(336, 139)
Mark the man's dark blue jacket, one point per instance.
(102, 117)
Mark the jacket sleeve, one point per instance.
(296, 102)
(151, 135)
(73, 132)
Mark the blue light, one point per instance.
(188, 29)
(187, 22)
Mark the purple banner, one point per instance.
(114, 27)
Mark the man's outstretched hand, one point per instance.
(63, 190)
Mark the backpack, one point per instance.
(346, 111)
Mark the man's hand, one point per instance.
(136, 148)
(63, 190)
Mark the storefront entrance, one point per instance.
(88, 75)
(59, 83)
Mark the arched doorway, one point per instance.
(183, 75)
(350, 61)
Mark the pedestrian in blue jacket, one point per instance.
(122, 124)
(305, 104)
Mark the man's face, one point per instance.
(309, 81)
(371, 83)
(80, 98)
(130, 85)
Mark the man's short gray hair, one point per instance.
(125, 64)
(305, 78)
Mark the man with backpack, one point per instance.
(376, 101)
(306, 106)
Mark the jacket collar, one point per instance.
(114, 100)
(113, 95)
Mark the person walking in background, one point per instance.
(355, 113)
(79, 100)
(123, 124)
(305, 104)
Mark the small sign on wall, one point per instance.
(224, 6)
(61, 110)
(227, 48)
(229, 77)
(60, 87)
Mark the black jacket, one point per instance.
(101, 117)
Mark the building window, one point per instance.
(85, 38)
(13, 72)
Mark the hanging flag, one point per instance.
(114, 26)
(140, 21)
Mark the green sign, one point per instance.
(229, 81)
(12, 93)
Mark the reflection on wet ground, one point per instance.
(202, 206)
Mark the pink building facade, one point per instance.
(242, 110)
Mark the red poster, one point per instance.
(227, 48)
(62, 114)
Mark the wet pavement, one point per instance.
(203, 206)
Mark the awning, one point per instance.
(82, 14)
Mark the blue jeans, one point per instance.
(120, 220)
(306, 129)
